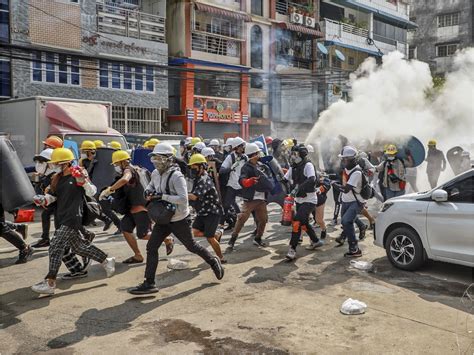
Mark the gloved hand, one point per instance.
(249, 182)
(80, 174)
(105, 193)
(39, 200)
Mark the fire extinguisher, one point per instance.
(287, 215)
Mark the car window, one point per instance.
(461, 191)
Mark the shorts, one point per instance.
(207, 224)
(140, 220)
(321, 200)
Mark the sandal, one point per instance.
(132, 260)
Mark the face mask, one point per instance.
(194, 173)
(391, 157)
(56, 168)
(118, 169)
(296, 159)
(349, 164)
(161, 163)
(40, 167)
(227, 148)
(83, 156)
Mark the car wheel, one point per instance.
(404, 249)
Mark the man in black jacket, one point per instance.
(256, 185)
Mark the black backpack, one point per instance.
(367, 191)
(224, 178)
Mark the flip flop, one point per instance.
(132, 260)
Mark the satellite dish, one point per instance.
(322, 48)
(339, 55)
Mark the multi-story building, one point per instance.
(110, 50)
(444, 27)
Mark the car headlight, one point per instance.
(386, 206)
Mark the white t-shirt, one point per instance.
(235, 173)
(356, 181)
(308, 171)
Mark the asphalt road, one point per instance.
(264, 304)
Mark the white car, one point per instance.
(436, 225)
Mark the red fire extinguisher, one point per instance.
(287, 215)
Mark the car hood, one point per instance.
(412, 197)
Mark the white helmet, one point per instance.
(45, 154)
(251, 148)
(214, 143)
(187, 141)
(162, 149)
(363, 155)
(207, 152)
(310, 148)
(199, 146)
(236, 142)
(348, 152)
(229, 141)
(259, 144)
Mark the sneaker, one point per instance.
(291, 255)
(107, 225)
(353, 254)
(340, 240)
(74, 275)
(43, 287)
(24, 255)
(86, 262)
(323, 235)
(300, 240)
(217, 268)
(362, 232)
(109, 266)
(259, 242)
(314, 245)
(231, 242)
(23, 230)
(42, 243)
(144, 288)
(170, 246)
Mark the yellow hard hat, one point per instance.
(61, 155)
(431, 142)
(145, 144)
(120, 155)
(88, 145)
(115, 145)
(288, 143)
(174, 151)
(391, 149)
(194, 141)
(99, 144)
(153, 141)
(197, 159)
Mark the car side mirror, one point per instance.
(439, 196)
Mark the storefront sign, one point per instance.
(93, 41)
(216, 116)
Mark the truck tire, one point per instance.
(404, 249)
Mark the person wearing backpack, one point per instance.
(393, 173)
(351, 198)
(168, 187)
(69, 192)
(136, 215)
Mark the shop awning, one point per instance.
(299, 28)
(223, 12)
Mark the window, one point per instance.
(446, 50)
(126, 77)
(448, 19)
(412, 53)
(336, 62)
(5, 78)
(256, 110)
(351, 61)
(461, 191)
(4, 22)
(257, 7)
(256, 81)
(55, 68)
(217, 85)
(256, 55)
(389, 34)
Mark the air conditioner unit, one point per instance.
(309, 21)
(296, 18)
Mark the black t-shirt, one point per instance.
(69, 202)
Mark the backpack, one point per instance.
(161, 212)
(224, 178)
(367, 191)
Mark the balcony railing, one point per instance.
(128, 23)
(294, 62)
(215, 44)
(282, 6)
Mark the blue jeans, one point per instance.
(389, 193)
(350, 210)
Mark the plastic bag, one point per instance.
(176, 264)
(362, 265)
(352, 307)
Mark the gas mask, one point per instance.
(161, 163)
(41, 167)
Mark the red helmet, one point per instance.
(268, 140)
(53, 142)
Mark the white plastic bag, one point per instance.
(362, 265)
(352, 307)
(175, 264)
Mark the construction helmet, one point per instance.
(268, 140)
(432, 142)
(310, 148)
(259, 144)
(391, 149)
(194, 141)
(61, 155)
(207, 152)
(187, 141)
(289, 143)
(99, 144)
(199, 146)
(88, 145)
(228, 142)
(214, 143)
(45, 155)
(197, 159)
(348, 152)
(237, 141)
(162, 149)
(120, 155)
(153, 141)
(145, 144)
(301, 149)
(251, 148)
(115, 145)
(53, 142)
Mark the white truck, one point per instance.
(29, 121)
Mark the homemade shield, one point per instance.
(140, 158)
(104, 173)
(455, 159)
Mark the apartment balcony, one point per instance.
(350, 36)
(294, 62)
(395, 8)
(121, 21)
(215, 44)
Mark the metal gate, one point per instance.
(216, 130)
